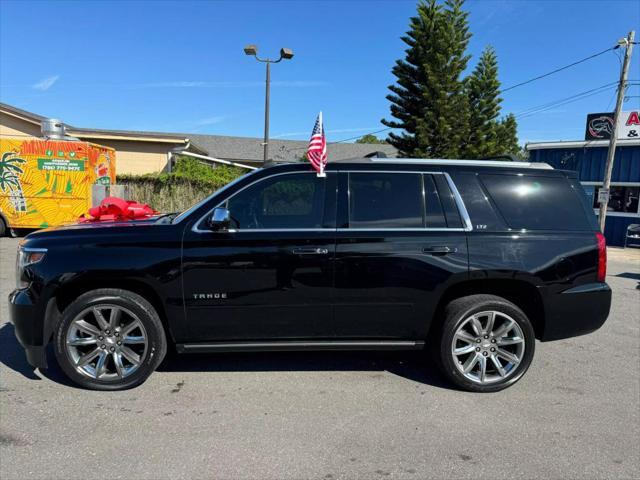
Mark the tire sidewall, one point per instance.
(155, 351)
(453, 322)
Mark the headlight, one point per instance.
(27, 256)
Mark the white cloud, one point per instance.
(46, 83)
(210, 120)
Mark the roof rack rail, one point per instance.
(475, 163)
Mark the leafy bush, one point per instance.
(190, 182)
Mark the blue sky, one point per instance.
(179, 66)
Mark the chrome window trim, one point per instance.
(466, 220)
(400, 229)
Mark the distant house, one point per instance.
(140, 152)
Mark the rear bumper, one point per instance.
(28, 324)
(577, 311)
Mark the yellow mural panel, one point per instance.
(46, 183)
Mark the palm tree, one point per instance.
(10, 180)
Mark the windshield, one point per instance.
(188, 212)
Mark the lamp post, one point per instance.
(285, 54)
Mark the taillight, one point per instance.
(602, 257)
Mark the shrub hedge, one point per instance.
(190, 182)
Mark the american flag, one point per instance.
(317, 151)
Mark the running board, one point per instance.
(298, 346)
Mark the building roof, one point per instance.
(251, 149)
(580, 144)
(18, 112)
(247, 149)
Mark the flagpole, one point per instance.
(321, 173)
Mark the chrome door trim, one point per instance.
(464, 214)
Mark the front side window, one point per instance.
(291, 201)
(385, 200)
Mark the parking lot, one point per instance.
(576, 414)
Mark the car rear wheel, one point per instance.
(109, 339)
(487, 343)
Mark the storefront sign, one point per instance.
(600, 126)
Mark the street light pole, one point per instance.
(285, 54)
(266, 115)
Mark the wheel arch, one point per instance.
(523, 294)
(68, 292)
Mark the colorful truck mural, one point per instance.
(47, 183)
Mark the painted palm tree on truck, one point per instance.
(10, 172)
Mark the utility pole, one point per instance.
(622, 86)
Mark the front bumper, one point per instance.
(577, 311)
(30, 326)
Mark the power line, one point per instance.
(565, 101)
(558, 69)
(569, 99)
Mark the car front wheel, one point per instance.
(109, 339)
(487, 343)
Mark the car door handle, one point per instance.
(439, 250)
(310, 251)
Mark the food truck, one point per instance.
(50, 182)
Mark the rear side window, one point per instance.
(383, 200)
(536, 202)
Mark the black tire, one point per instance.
(154, 353)
(457, 312)
(3, 227)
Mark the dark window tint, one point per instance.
(385, 200)
(285, 201)
(448, 202)
(434, 214)
(536, 203)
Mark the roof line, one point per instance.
(579, 144)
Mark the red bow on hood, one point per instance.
(113, 209)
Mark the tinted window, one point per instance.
(448, 202)
(385, 200)
(285, 201)
(536, 203)
(434, 214)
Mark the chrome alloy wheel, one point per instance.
(106, 342)
(488, 347)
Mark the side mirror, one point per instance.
(219, 220)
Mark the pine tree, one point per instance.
(483, 90)
(507, 133)
(429, 101)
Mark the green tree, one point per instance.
(507, 137)
(429, 102)
(483, 90)
(440, 114)
(370, 138)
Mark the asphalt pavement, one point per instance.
(575, 414)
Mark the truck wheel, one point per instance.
(487, 343)
(109, 339)
(3, 227)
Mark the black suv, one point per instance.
(470, 260)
